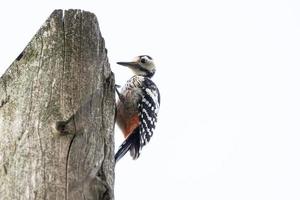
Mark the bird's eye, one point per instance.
(143, 60)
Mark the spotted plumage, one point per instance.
(137, 107)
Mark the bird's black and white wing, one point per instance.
(148, 109)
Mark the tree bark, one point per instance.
(62, 75)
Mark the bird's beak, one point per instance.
(129, 64)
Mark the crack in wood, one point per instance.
(20, 56)
(4, 101)
(4, 169)
(67, 163)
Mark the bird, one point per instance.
(137, 107)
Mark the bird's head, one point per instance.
(141, 65)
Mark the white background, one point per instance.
(229, 76)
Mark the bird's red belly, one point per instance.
(127, 121)
(131, 125)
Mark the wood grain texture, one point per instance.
(63, 73)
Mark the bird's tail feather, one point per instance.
(126, 145)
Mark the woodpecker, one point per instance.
(137, 107)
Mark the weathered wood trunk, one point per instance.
(62, 74)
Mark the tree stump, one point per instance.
(62, 75)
